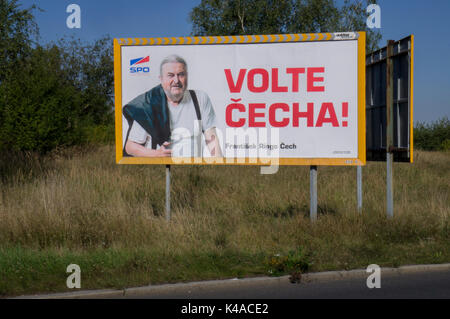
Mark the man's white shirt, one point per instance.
(184, 126)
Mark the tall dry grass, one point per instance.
(84, 200)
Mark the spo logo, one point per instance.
(137, 67)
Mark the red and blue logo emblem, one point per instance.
(137, 67)
(140, 60)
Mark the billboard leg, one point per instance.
(389, 127)
(313, 192)
(359, 187)
(389, 188)
(168, 192)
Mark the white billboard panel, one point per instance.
(299, 98)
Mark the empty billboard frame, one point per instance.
(298, 99)
(403, 80)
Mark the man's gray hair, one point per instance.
(173, 58)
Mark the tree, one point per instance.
(90, 68)
(18, 31)
(39, 106)
(240, 17)
(216, 17)
(354, 18)
(51, 96)
(58, 95)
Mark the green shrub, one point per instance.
(52, 101)
(446, 145)
(100, 134)
(295, 261)
(434, 136)
(39, 108)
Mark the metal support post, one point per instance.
(359, 187)
(313, 192)
(168, 192)
(389, 128)
(389, 186)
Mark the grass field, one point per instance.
(78, 206)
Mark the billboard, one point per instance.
(402, 102)
(293, 99)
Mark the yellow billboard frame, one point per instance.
(308, 37)
(411, 101)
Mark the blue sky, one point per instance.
(427, 20)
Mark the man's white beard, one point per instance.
(175, 97)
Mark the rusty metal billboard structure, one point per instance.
(389, 101)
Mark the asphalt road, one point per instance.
(424, 285)
(272, 297)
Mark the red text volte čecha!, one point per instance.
(257, 111)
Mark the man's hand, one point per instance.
(138, 150)
(213, 143)
(164, 150)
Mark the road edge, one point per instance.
(167, 288)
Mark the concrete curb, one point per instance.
(159, 290)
